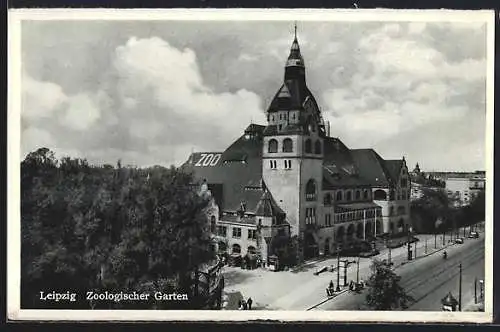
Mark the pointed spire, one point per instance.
(295, 58)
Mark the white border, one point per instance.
(13, 179)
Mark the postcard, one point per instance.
(242, 165)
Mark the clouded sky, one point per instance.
(151, 92)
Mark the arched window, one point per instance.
(365, 194)
(380, 195)
(251, 250)
(358, 195)
(287, 145)
(308, 146)
(339, 196)
(236, 248)
(317, 147)
(349, 196)
(327, 199)
(273, 146)
(311, 190)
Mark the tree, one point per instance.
(384, 291)
(104, 228)
(433, 205)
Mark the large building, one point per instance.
(465, 189)
(290, 178)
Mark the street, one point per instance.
(300, 289)
(428, 280)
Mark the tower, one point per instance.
(292, 165)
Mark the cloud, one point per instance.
(155, 98)
(40, 99)
(151, 92)
(81, 112)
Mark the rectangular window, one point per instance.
(288, 164)
(252, 234)
(222, 231)
(273, 164)
(328, 219)
(236, 232)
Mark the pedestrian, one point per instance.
(244, 305)
(249, 302)
(331, 284)
(240, 305)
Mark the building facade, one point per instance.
(290, 179)
(465, 189)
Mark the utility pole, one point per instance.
(475, 290)
(435, 240)
(409, 245)
(415, 250)
(357, 272)
(345, 272)
(338, 268)
(426, 246)
(460, 289)
(444, 237)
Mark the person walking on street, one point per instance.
(249, 303)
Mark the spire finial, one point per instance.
(295, 28)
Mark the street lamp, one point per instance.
(409, 243)
(338, 267)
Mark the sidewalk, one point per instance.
(300, 289)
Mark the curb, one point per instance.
(328, 299)
(395, 267)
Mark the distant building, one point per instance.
(291, 178)
(464, 189)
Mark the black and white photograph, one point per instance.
(301, 165)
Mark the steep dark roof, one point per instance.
(371, 167)
(290, 129)
(267, 206)
(291, 95)
(394, 168)
(237, 175)
(240, 166)
(237, 219)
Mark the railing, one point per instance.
(310, 197)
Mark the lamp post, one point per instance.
(475, 290)
(435, 240)
(409, 244)
(338, 267)
(460, 289)
(357, 271)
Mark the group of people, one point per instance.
(245, 305)
(353, 286)
(331, 289)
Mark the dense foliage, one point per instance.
(435, 212)
(427, 180)
(385, 292)
(108, 228)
